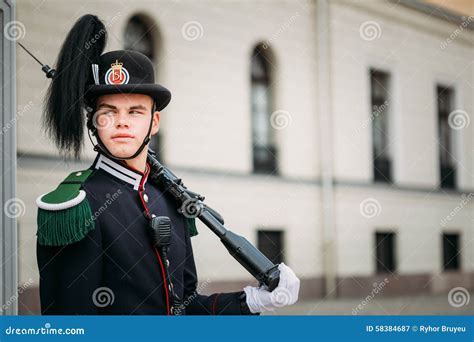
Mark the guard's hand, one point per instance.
(286, 293)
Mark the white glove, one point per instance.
(286, 293)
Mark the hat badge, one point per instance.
(117, 74)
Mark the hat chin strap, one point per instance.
(100, 146)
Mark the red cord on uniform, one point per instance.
(164, 280)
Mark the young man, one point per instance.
(95, 252)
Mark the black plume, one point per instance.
(63, 118)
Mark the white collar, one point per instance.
(125, 173)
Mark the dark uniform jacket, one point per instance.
(115, 269)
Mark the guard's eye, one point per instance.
(136, 112)
(105, 112)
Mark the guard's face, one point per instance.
(122, 121)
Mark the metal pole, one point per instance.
(325, 144)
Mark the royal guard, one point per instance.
(109, 241)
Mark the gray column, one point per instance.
(8, 229)
(324, 99)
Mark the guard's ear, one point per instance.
(155, 127)
(90, 117)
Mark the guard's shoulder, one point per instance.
(64, 214)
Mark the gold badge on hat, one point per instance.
(117, 74)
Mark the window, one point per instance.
(385, 252)
(382, 168)
(270, 243)
(263, 138)
(446, 143)
(451, 252)
(141, 35)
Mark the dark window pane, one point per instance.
(139, 37)
(379, 82)
(446, 143)
(382, 170)
(263, 137)
(451, 252)
(270, 243)
(260, 118)
(260, 66)
(385, 252)
(264, 159)
(448, 176)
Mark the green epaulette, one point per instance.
(64, 214)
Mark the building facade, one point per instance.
(335, 135)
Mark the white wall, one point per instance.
(409, 49)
